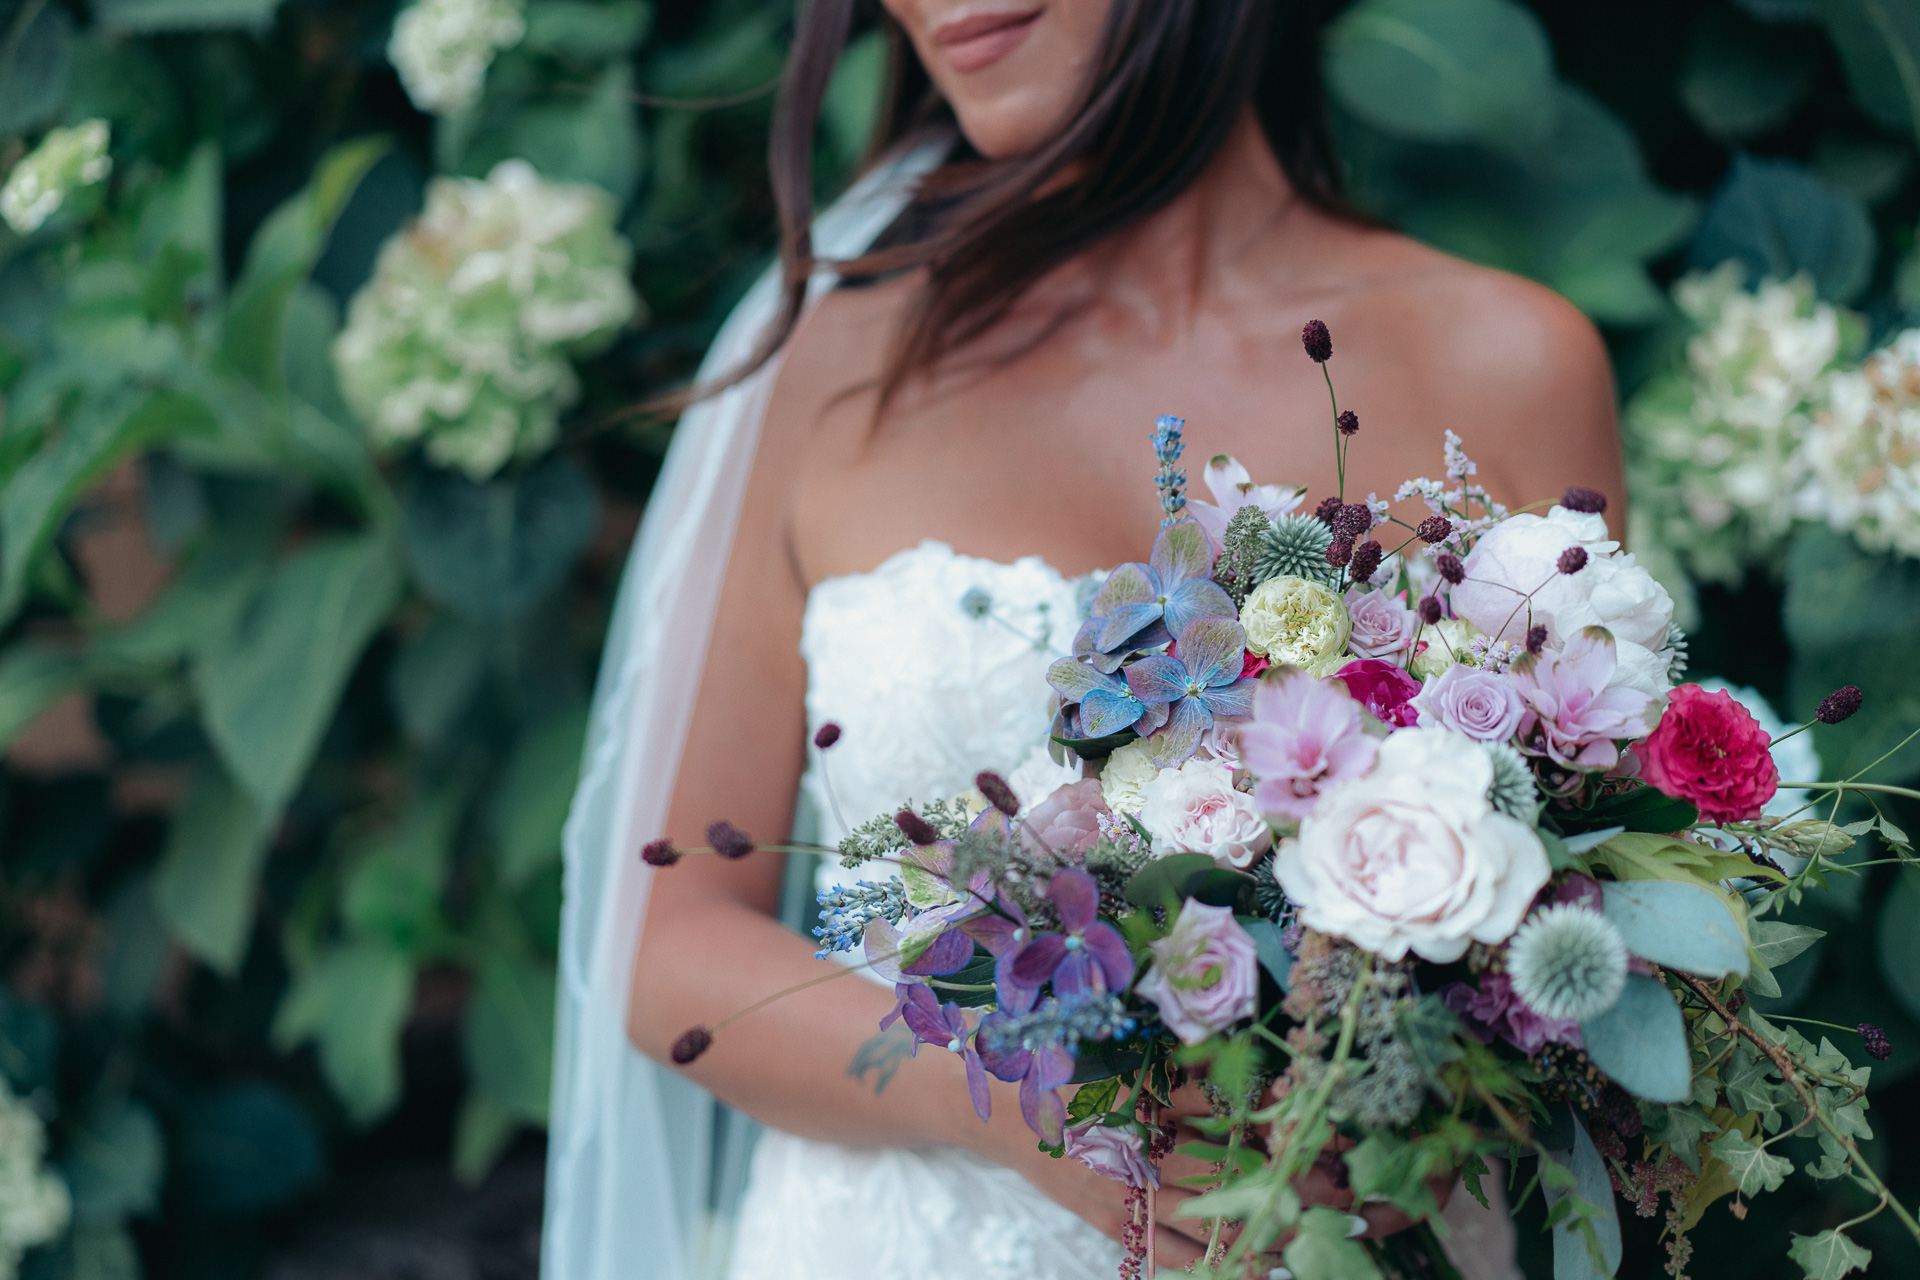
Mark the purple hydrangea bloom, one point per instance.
(945, 1025)
(1142, 606)
(1039, 1073)
(1204, 681)
(1088, 955)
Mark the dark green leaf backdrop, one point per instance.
(292, 718)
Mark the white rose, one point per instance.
(1124, 780)
(1038, 777)
(1195, 809)
(1413, 856)
(1520, 557)
(1442, 645)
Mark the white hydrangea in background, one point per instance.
(34, 1205)
(1717, 453)
(442, 48)
(464, 338)
(1863, 450)
(66, 160)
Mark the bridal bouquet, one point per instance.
(1402, 842)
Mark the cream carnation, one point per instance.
(1412, 856)
(1123, 782)
(1293, 621)
(1195, 809)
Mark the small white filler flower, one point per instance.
(1568, 962)
(442, 49)
(34, 1205)
(66, 160)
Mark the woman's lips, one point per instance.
(983, 39)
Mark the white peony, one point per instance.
(1514, 582)
(465, 336)
(1038, 776)
(1412, 856)
(66, 160)
(1195, 809)
(442, 49)
(1124, 779)
(34, 1204)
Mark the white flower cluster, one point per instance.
(66, 160)
(1863, 450)
(464, 337)
(34, 1205)
(442, 48)
(1718, 463)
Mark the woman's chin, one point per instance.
(1013, 125)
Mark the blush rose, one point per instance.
(1205, 973)
(1196, 809)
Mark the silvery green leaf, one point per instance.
(1642, 1042)
(1588, 841)
(1677, 924)
(1572, 1257)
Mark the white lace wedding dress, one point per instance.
(934, 666)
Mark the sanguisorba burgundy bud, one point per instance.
(1573, 560)
(1536, 640)
(826, 735)
(1430, 611)
(1878, 1046)
(1339, 552)
(1318, 342)
(1366, 560)
(1838, 705)
(1584, 500)
(1450, 568)
(728, 840)
(659, 853)
(694, 1042)
(1329, 508)
(998, 793)
(1434, 529)
(915, 828)
(1348, 422)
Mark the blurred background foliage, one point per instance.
(292, 717)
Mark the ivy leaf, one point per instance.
(1322, 1251)
(1776, 942)
(1754, 1168)
(1092, 1099)
(1829, 1255)
(1752, 1085)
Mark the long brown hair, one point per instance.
(1166, 89)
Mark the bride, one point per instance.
(934, 424)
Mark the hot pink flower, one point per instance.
(1305, 734)
(1484, 706)
(1067, 822)
(1573, 718)
(1711, 752)
(1382, 624)
(1384, 689)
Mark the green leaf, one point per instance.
(1754, 1168)
(1322, 1251)
(1638, 855)
(242, 1149)
(33, 676)
(269, 687)
(489, 550)
(1899, 941)
(1163, 882)
(36, 52)
(393, 891)
(1677, 924)
(1271, 950)
(1642, 1042)
(353, 1003)
(1776, 942)
(102, 1253)
(1643, 809)
(1879, 44)
(1741, 79)
(576, 29)
(1829, 1255)
(279, 259)
(144, 16)
(113, 1164)
(509, 1035)
(434, 678)
(1444, 70)
(851, 110)
(1092, 1099)
(480, 1136)
(531, 803)
(1780, 219)
(592, 137)
(204, 885)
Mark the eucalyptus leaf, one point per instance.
(1272, 951)
(1779, 219)
(1572, 1258)
(1642, 1042)
(1680, 925)
(269, 687)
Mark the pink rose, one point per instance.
(1197, 809)
(1205, 974)
(1484, 706)
(1306, 733)
(1382, 688)
(1382, 624)
(1067, 822)
(1710, 751)
(1113, 1153)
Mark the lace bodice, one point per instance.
(934, 667)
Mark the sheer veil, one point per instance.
(631, 1154)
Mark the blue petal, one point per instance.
(1073, 679)
(1234, 699)
(1181, 553)
(1158, 679)
(1173, 744)
(1105, 711)
(1131, 583)
(1199, 598)
(1127, 621)
(1213, 649)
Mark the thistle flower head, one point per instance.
(1838, 705)
(1318, 342)
(1513, 791)
(1296, 547)
(1351, 520)
(1567, 962)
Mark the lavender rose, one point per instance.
(1205, 973)
(1113, 1153)
(1383, 626)
(1484, 706)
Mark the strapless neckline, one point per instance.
(936, 548)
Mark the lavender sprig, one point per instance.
(1172, 483)
(846, 912)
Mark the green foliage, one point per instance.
(1679, 925)
(1829, 1255)
(1642, 1043)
